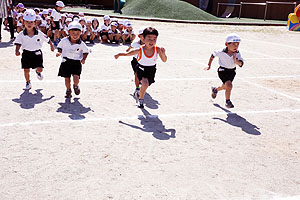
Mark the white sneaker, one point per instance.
(39, 75)
(28, 86)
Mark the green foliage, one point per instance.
(170, 9)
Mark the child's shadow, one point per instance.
(28, 100)
(149, 101)
(75, 109)
(238, 121)
(153, 124)
(6, 44)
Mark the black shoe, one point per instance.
(141, 103)
(214, 92)
(229, 104)
(68, 93)
(76, 89)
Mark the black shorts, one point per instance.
(32, 59)
(226, 74)
(69, 67)
(146, 72)
(104, 33)
(134, 63)
(56, 26)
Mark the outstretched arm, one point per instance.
(130, 53)
(209, 62)
(18, 46)
(162, 54)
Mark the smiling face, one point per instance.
(232, 46)
(149, 40)
(29, 24)
(74, 34)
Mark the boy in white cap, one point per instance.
(31, 41)
(147, 56)
(74, 53)
(104, 29)
(128, 35)
(55, 21)
(88, 34)
(134, 62)
(228, 59)
(114, 34)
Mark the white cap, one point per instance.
(75, 25)
(141, 30)
(88, 21)
(38, 18)
(49, 10)
(37, 9)
(60, 4)
(69, 20)
(120, 22)
(45, 12)
(29, 15)
(114, 24)
(81, 14)
(63, 15)
(106, 17)
(70, 15)
(129, 25)
(233, 37)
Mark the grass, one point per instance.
(169, 9)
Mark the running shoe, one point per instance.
(76, 89)
(141, 103)
(27, 86)
(136, 95)
(68, 93)
(229, 104)
(214, 92)
(39, 75)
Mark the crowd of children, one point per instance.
(54, 24)
(70, 32)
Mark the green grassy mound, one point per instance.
(169, 9)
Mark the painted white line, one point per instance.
(174, 115)
(158, 79)
(271, 90)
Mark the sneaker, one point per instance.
(54, 43)
(136, 94)
(76, 89)
(141, 103)
(214, 92)
(229, 104)
(68, 93)
(28, 86)
(39, 75)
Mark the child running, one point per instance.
(146, 57)
(134, 62)
(74, 53)
(31, 41)
(228, 59)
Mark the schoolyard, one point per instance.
(183, 145)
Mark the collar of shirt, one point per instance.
(35, 31)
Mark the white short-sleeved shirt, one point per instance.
(125, 32)
(104, 27)
(96, 30)
(31, 43)
(56, 15)
(226, 60)
(136, 45)
(116, 32)
(73, 51)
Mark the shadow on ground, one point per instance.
(149, 101)
(6, 44)
(28, 100)
(152, 124)
(236, 120)
(75, 109)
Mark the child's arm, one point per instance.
(131, 53)
(84, 58)
(130, 47)
(162, 54)
(209, 62)
(59, 51)
(51, 45)
(236, 61)
(18, 46)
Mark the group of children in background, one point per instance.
(69, 39)
(54, 24)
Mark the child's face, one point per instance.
(107, 21)
(149, 40)
(232, 46)
(88, 24)
(95, 23)
(82, 22)
(113, 28)
(59, 8)
(29, 24)
(75, 34)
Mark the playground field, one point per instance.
(183, 145)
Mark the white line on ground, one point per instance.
(174, 115)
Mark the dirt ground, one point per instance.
(183, 145)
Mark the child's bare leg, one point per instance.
(118, 36)
(132, 38)
(222, 87)
(27, 75)
(39, 69)
(92, 37)
(136, 80)
(228, 86)
(145, 85)
(68, 83)
(76, 80)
